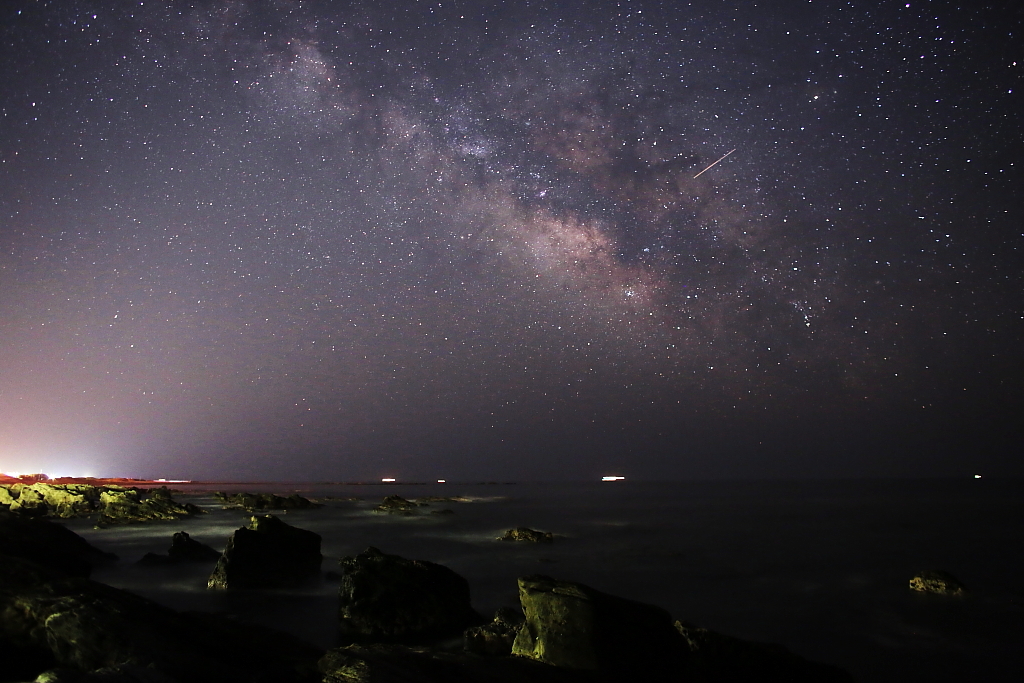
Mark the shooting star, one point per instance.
(714, 163)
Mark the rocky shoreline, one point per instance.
(397, 617)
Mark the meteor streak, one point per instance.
(714, 163)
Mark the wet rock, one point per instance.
(73, 625)
(496, 638)
(716, 657)
(392, 598)
(937, 581)
(267, 554)
(48, 544)
(396, 505)
(526, 535)
(574, 626)
(258, 502)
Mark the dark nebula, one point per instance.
(339, 241)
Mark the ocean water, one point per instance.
(819, 566)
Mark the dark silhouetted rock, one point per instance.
(82, 626)
(258, 502)
(496, 638)
(574, 626)
(267, 554)
(396, 505)
(183, 549)
(936, 581)
(186, 549)
(715, 657)
(526, 535)
(48, 544)
(389, 597)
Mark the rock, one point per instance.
(186, 549)
(48, 544)
(114, 504)
(574, 626)
(496, 638)
(183, 549)
(61, 625)
(267, 554)
(391, 598)
(396, 505)
(526, 535)
(937, 581)
(124, 506)
(257, 502)
(717, 657)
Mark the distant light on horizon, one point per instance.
(612, 478)
(440, 481)
(977, 476)
(388, 480)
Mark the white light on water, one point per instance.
(612, 478)
(388, 480)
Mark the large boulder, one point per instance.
(258, 502)
(54, 500)
(124, 506)
(396, 505)
(183, 549)
(48, 544)
(392, 598)
(574, 626)
(65, 625)
(267, 554)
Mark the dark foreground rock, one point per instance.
(69, 626)
(112, 504)
(48, 544)
(526, 535)
(387, 597)
(937, 581)
(259, 502)
(715, 658)
(496, 638)
(574, 626)
(183, 549)
(267, 554)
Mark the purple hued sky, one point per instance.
(337, 241)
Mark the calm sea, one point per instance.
(819, 566)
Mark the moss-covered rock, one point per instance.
(258, 502)
(937, 581)
(526, 535)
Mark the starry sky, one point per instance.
(271, 239)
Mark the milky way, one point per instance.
(342, 240)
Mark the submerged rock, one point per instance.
(937, 581)
(256, 502)
(48, 544)
(267, 554)
(574, 626)
(526, 535)
(389, 597)
(496, 638)
(396, 505)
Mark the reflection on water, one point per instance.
(821, 567)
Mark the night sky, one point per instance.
(467, 240)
